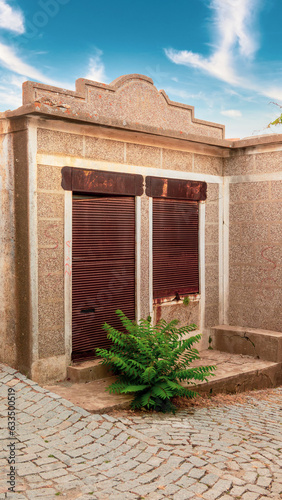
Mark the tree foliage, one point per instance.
(151, 361)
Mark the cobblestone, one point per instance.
(228, 452)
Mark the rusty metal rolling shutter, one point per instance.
(175, 247)
(103, 269)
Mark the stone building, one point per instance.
(103, 189)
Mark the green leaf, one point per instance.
(148, 374)
(134, 388)
(162, 391)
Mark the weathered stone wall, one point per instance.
(185, 314)
(50, 262)
(255, 242)
(131, 102)
(212, 256)
(7, 250)
(122, 152)
(24, 309)
(51, 221)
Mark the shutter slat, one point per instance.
(175, 247)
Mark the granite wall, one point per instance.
(51, 225)
(212, 256)
(8, 352)
(255, 259)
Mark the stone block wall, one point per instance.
(50, 229)
(186, 314)
(131, 101)
(67, 147)
(255, 259)
(212, 256)
(7, 249)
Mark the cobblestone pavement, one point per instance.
(226, 452)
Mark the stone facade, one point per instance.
(130, 127)
(255, 240)
(7, 246)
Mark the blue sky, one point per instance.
(222, 56)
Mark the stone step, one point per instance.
(261, 344)
(235, 373)
(91, 396)
(88, 371)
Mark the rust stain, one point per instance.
(101, 181)
(176, 188)
(165, 186)
(158, 313)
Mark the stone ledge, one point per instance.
(87, 371)
(260, 378)
(261, 344)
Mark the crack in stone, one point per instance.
(246, 338)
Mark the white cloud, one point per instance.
(15, 73)
(186, 96)
(10, 91)
(17, 81)
(11, 19)
(218, 65)
(232, 113)
(10, 99)
(234, 46)
(272, 92)
(96, 69)
(232, 21)
(10, 60)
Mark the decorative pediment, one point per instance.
(131, 102)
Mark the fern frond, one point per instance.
(147, 400)
(117, 386)
(162, 391)
(148, 374)
(134, 388)
(187, 393)
(197, 373)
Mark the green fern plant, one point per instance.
(152, 361)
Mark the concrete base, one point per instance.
(92, 396)
(49, 369)
(87, 371)
(261, 344)
(235, 373)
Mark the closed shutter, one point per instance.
(175, 247)
(103, 269)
